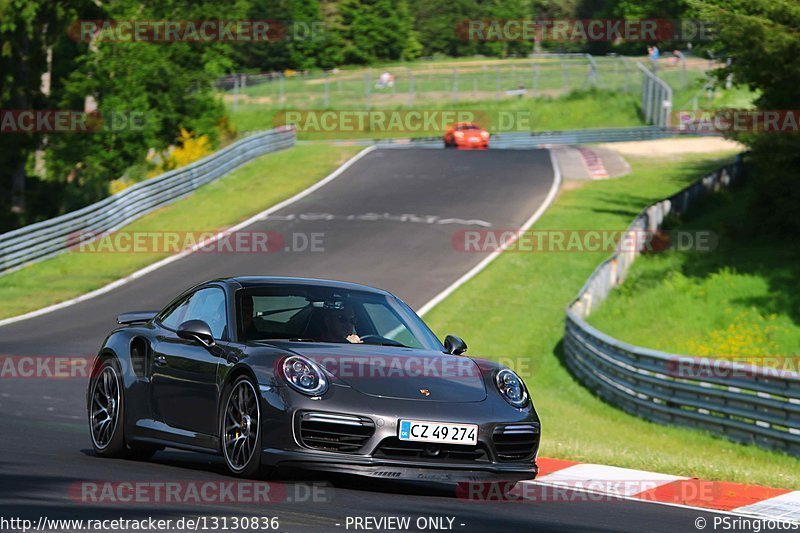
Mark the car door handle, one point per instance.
(161, 360)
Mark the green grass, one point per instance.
(231, 199)
(739, 301)
(579, 109)
(514, 311)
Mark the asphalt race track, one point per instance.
(388, 221)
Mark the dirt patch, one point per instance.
(672, 147)
(245, 99)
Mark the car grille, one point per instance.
(335, 432)
(394, 448)
(516, 442)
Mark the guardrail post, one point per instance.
(410, 89)
(367, 89)
(235, 93)
(327, 89)
(594, 79)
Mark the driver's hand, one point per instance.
(354, 339)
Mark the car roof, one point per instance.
(248, 282)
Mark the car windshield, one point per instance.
(325, 314)
(468, 127)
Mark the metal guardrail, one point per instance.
(742, 402)
(656, 98)
(41, 240)
(529, 140)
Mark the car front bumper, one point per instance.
(363, 465)
(283, 445)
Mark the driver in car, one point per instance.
(340, 326)
(248, 326)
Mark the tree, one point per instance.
(763, 39)
(30, 32)
(163, 86)
(375, 30)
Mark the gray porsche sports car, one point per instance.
(313, 374)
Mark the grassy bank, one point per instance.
(514, 311)
(580, 109)
(245, 192)
(738, 301)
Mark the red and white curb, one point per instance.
(593, 163)
(624, 483)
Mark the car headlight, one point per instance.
(304, 375)
(511, 388)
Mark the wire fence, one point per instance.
(541, 75)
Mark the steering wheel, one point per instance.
(377, 339)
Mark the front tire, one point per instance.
(106, 411)
(240, 428)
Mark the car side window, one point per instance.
(207, 305)
(174, 318)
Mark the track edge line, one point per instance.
(474, 271)
(172, 258)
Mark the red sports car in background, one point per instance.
(466, 135)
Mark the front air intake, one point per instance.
(516, 442)
(335, 432)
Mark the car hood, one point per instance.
(391, 372)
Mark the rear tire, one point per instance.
(240, 428)
(106, 410)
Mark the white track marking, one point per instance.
(608, 479)
(741, 511)
(474, 271)
(171, 259)
(783, 507)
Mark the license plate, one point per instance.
(440, 432)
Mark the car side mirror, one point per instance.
(454, 345)
(196, 330)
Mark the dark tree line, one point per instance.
(171, 85)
